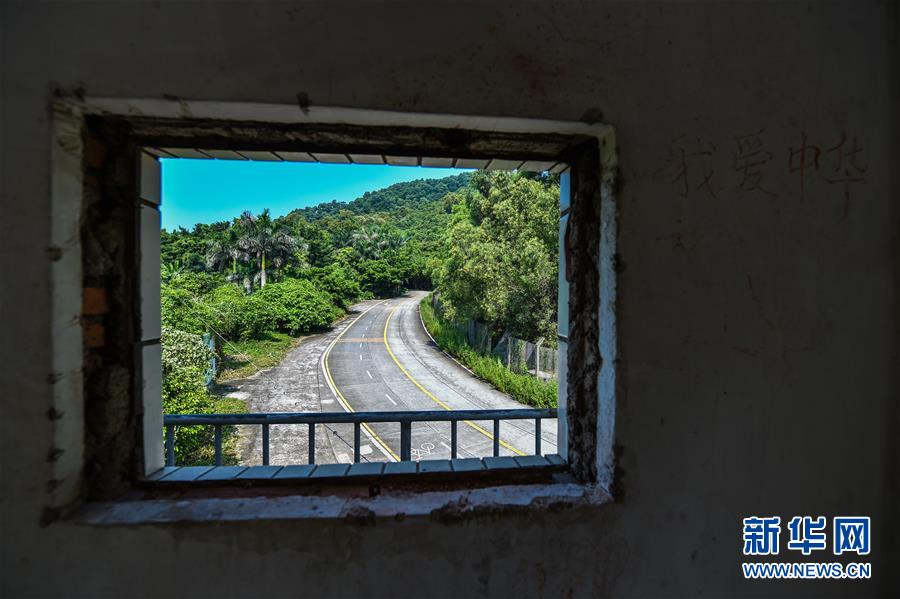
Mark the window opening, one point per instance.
(109, 168)
(409, 327)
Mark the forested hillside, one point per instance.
(411, 194)
(394, 232)
(488, 239)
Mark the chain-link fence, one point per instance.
(519, 355)
(210, 375)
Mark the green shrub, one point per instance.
(298, 306)
(183, 353)
(340, 282)
(379, 278)
(195, 283)
(182, 310)
(522, 387)
(229, 305)
(258, 318)
(185, 358)
(293, 306)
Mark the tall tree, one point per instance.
(501, 254)
(265, 242)
(372, 242)
(224, 252)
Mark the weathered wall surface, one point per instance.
(758, 301)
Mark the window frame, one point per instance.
(97, 162)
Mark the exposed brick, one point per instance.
(94, 301)
(94, 334)
(94, 152)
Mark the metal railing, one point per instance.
(311, 419)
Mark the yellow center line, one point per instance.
(432, 397)
(343, 399)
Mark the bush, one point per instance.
(257, 318)
(379, 278)
(339, 282)
(522, 387)
(196, 283)
(181, 310)
(185, 359)
(293, 306)
(297, 305)
(227, 304)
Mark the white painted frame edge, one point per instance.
(66, 290)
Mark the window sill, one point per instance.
(448, 497)
(366, 470)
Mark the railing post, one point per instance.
(218, 437)
(170, 445)
(496, 438)
(405, 440)
(312, 442)
(453, 439)
(265, 444)
(356, 427)
(537, 436)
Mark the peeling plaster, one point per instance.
(443, 506)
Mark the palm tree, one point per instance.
(365, 241)
(392, 239)
(169, 271)
(264, 242)
(224, 252)
(342, 238)
(372, 242)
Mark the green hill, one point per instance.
(410, 194)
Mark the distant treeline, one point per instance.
(489, 240)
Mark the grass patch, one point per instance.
(241, 359)
(523, 388)
(229, 405)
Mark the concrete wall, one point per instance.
(758, 324)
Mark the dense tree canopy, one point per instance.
(488, 240)
(500, 265)
(412, 195)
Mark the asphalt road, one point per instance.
(297, 384)
(384, 360)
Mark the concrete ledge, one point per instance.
(435, 466)
(390, 505)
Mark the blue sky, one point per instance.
(206, 191)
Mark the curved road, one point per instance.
(385, 361)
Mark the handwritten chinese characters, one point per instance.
(750, 157)
(751, 164)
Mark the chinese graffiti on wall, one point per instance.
(747, 163)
